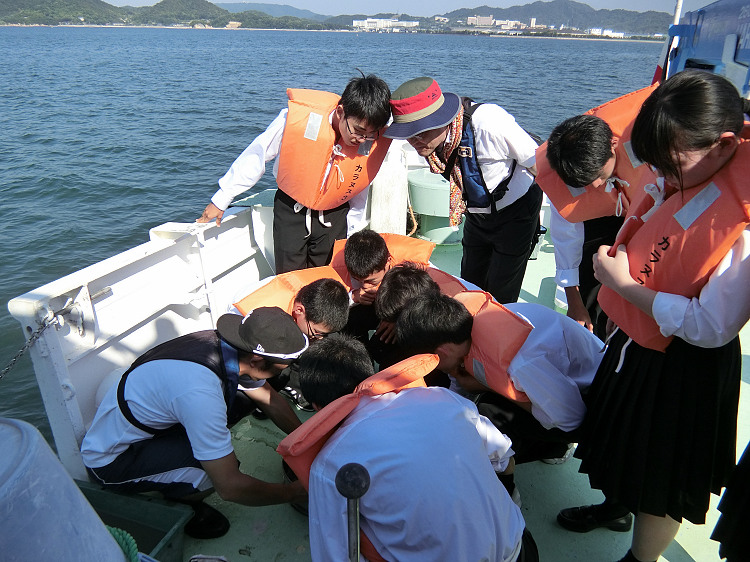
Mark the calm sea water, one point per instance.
(107, 132)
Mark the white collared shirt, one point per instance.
(722, 308)
(499, 140)
(415, 445)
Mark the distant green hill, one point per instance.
(258, 20)
(554, 13)
(275, 10)
(187, 12)
(573, 14)
(53, 12)
(168, 12)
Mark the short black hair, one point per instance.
(689, 111)
(400, 285)
(431, 320)
(367, 98)
(333, 367)
(365, 253)
(578, 148)
(326, 302)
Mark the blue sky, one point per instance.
(422, 8)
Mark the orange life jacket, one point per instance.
(300, 447)
(577, 204)
(680, 244)
(307, 150)
(402, 248)
(449, 285)
(496, 337)
(281, 290)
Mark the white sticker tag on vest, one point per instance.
(631, 155)
(576, 191)
(478, 371)
(697, 205)
(314, 121)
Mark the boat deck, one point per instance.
(281, 533)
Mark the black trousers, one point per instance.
(597, 232)
(496, 246)
(529, 551)
(292, 247)
(531, 440)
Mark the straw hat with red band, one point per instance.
(418, 106)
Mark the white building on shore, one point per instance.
(376, 24)
(598, 31)
(481, 21)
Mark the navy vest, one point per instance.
(474, 188)
(204, 348)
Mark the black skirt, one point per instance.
(660, 435)
(732, 529)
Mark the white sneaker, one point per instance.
(565, 458)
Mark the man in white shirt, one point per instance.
(556, 362)
(432, 461)
(327, 150)
(164, 427)
(490, 163)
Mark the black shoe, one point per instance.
(302, 403)
(207, 523)
(589, 517)
(296, 396)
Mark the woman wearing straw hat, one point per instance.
(489, 160)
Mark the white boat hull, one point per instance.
(180, 281)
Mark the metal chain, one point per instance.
(51, 318)
(46, 323)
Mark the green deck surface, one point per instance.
(278, 533)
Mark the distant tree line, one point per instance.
(166, 12)
(558, 13)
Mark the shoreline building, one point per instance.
(377, 24)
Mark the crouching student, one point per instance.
(164, 427)
(413, 441)
(530, 362)
(317, 301)
(400, 285)
(315, 297)
(362, 261)
(403, 283)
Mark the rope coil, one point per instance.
(126, 542)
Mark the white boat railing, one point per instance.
(180, 281)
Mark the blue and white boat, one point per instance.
(87, 327)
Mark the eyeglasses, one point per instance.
(313, 334)
(359, 135)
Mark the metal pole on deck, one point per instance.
(352, 481)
